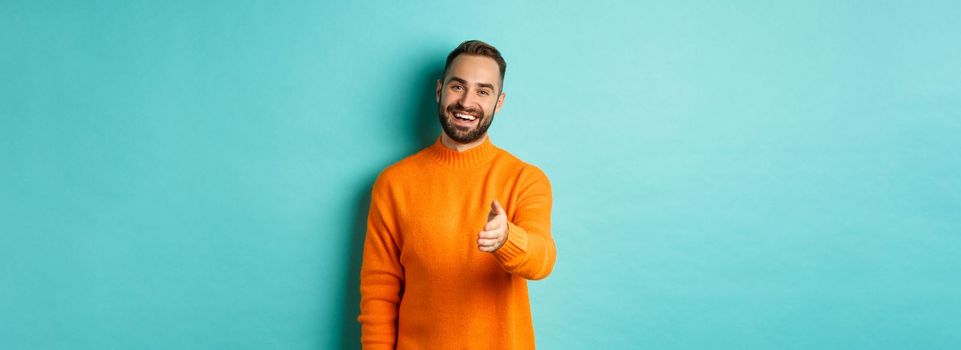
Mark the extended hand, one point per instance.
(495, 232)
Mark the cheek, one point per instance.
(444, 105)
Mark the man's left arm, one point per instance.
(529, 250)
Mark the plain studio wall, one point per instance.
(726, 175)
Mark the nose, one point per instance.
(464, 100)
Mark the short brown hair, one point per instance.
(477, 48)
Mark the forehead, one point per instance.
(474, 69)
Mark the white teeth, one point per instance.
(464, 116)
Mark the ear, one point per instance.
(500, 102)
(437, 97)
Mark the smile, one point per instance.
(464, 116)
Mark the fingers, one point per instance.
(496, 217)
(488, 245)
(487, 242)
(487, 249)
(494, 234)
(494, 225)
(496, 208)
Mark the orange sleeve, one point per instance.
(529, 251)
(381, 274)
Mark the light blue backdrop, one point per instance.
(727, 175)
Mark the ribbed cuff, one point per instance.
(513, 252)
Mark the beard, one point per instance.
(459, 133)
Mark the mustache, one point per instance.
(472, 111)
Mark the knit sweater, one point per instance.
(424, 284)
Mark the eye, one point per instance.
(484, 92)
(456, 87)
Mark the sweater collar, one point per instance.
(474, 156)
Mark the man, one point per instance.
(455, 230)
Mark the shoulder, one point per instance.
(400, 171)
(525, 172)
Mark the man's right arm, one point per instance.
(381, 274)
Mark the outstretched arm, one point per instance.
(523, 243)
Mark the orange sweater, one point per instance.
(423, 282)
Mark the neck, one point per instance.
(460, 147)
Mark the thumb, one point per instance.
(496, 208)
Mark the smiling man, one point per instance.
(455, 230)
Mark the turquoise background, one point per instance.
(726, 175)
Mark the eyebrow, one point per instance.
(462, 81)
